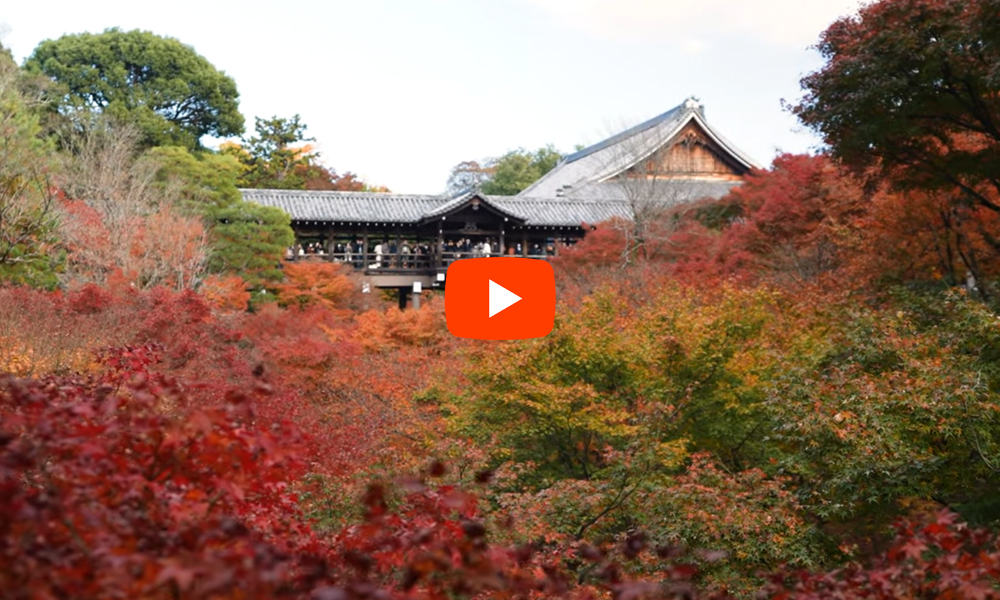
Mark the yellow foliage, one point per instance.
(15, 358)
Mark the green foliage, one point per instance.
(750, 521)
(705, 363)
(22, 267)
(250, 240)
(888, 410)
(275, 157)
(504, 175)
(202, 181)
(518, 169)
(718, 215)
(548, 400)
(611, 374)
(29, 252)
(603, 411)
(173, 94)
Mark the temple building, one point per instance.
(406, 241)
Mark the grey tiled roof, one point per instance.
(377, 207)
(369, 207)
(591, 204)
(614, 155)
(447, 205)
(666, 191)
(559, 212)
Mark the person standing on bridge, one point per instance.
(406, 258)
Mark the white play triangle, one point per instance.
(501, 298)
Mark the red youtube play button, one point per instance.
(500, 298)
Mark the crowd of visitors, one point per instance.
(387, 253)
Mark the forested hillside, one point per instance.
(790, 392)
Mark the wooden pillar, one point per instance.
(502, 250)
(524, 241)
(439, 248)
(364, 249)
(398, 259)
(402, 298)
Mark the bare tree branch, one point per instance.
(124, 222)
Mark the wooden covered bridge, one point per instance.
(407, 241)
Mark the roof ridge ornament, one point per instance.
(693, 103)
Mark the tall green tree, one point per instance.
(276, 157)
(250, 240)
(173, 94)
(29, 251)
(519, 168)
(202, 181)
(504, 175)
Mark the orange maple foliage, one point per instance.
(226, 293)
(317, 284)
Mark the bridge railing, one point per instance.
(373, 261)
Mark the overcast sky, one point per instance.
(399, 91)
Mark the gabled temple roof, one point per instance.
(459, 202)
(613, 156)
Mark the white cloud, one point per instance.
(795, 23)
